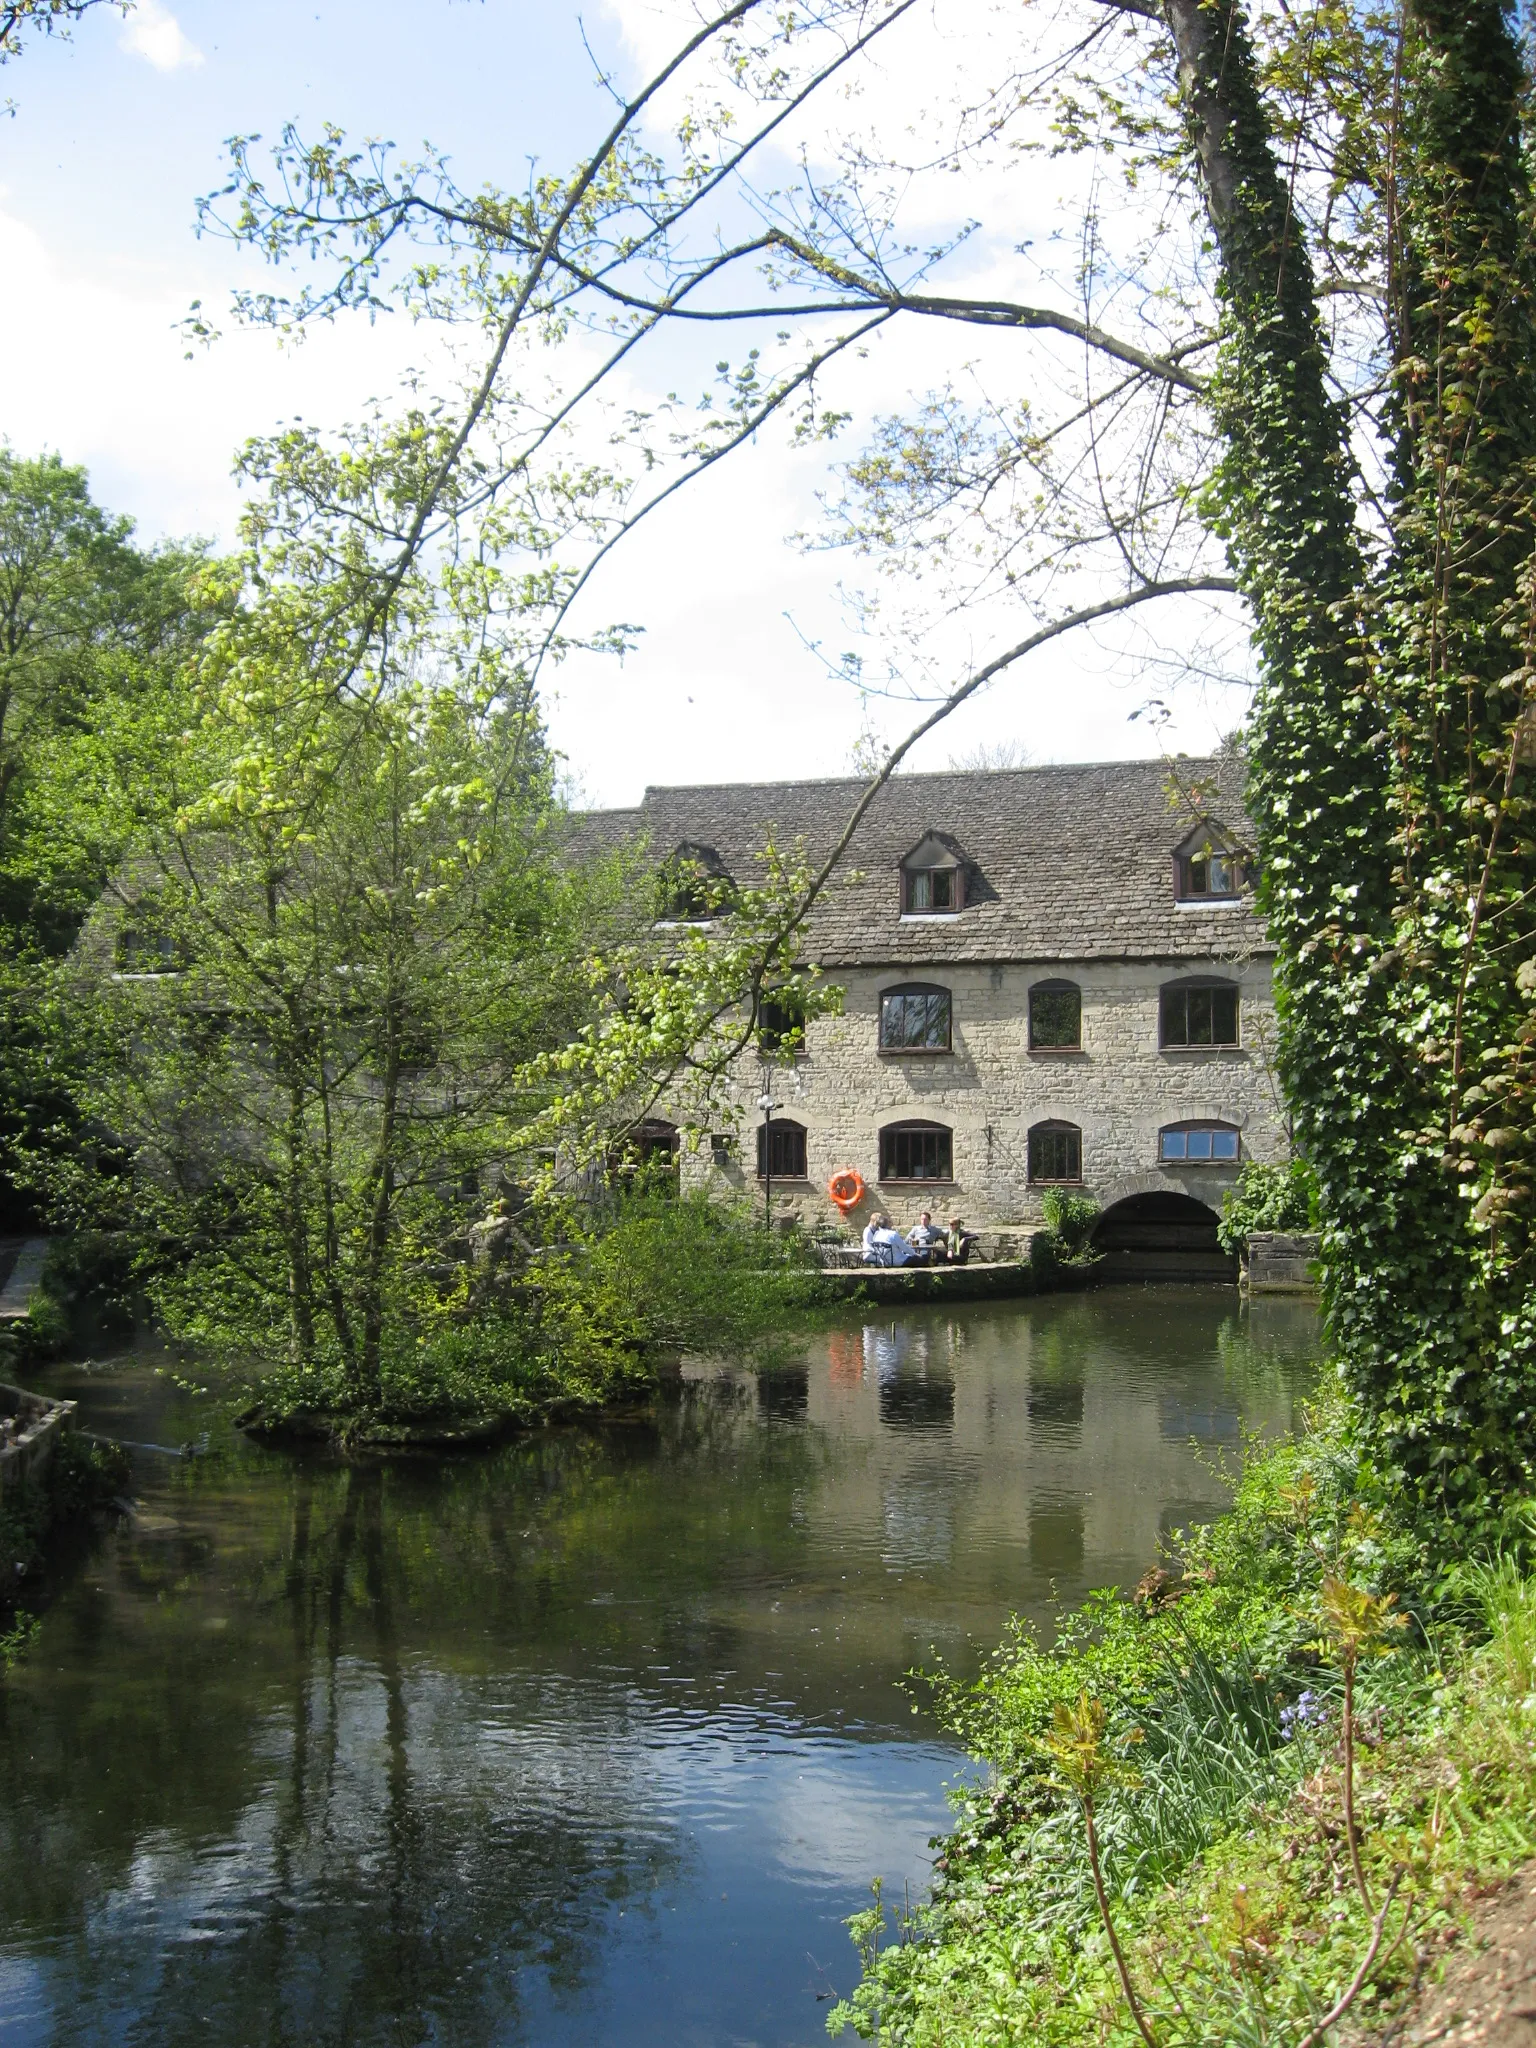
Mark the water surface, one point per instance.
(596, 1739)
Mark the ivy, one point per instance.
(1390, 790)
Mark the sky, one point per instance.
(117, 132)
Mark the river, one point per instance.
(595, 1739)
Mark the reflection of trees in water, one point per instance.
(387, 1842)
(375, 1790)
(1268, 1342)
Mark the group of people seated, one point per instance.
(925, 1244)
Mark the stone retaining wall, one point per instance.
(30, 1427)
(1281, 1262)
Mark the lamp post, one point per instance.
(767, 1105)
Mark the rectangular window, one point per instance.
(781, 1152)
(932, 889)
(916, 1152)
(1211, 874)
(915, 1020)
(1055, 1019)
(1208, 1145)
(1055, 1152)
(1192, 1015)
(780, 1025)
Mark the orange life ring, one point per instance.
(846, 1189)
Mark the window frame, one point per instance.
(146, 945)
(1055, 987)
(1197, 985)
(1188, 859)
(693, 887)
(953, 869)
(915, 1127)
(915, 988)
(781, 1127)
(1052, 1127)
(772, 1034)
(1202, 1126)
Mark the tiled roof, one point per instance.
(1065, 862)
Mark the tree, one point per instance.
(309, 1016)
(1291, 358)
(86, 619)
(92, 629)
(300, 1020)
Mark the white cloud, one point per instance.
(109, 384)
(155, 34)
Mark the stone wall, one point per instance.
(1281, 1262)
(30, 1427)
(1120, 1089)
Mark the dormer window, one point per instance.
(693, 886)
(1212, 873)
(933, 889)
(932, 880)
(1208, 870)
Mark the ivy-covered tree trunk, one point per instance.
(1393, 827)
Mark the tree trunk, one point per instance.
(1359, 796)
(381, 1211)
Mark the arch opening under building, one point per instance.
(1161, 1235)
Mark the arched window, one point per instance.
(915, 1018)
(1198, 1013)
(917, 1151)
(781, 1150)
(1055, 1017)
(1055, 1152)
(1199, 1144)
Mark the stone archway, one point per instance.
(1157, 1233)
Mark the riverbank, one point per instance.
(1203, 1718)
(595, 1737)
(51, 1480)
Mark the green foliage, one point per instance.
(1267, 1198)
(1224, 1861)
(93, 633)
(1070, 1220)
(579, 1324)
(1394, 809)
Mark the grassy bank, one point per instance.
(1199, 1726)
(568, 1326)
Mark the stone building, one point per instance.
(1053, 977)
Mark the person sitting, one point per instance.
(959, 1241)
(884, 1244)
(926, 1237)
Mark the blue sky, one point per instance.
(117, 132)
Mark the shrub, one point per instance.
(1070, 1220)
(580, 1322)
(1267, 1198)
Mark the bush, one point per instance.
(1267, 1198)
(1069, 1220)
(580, 1323)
